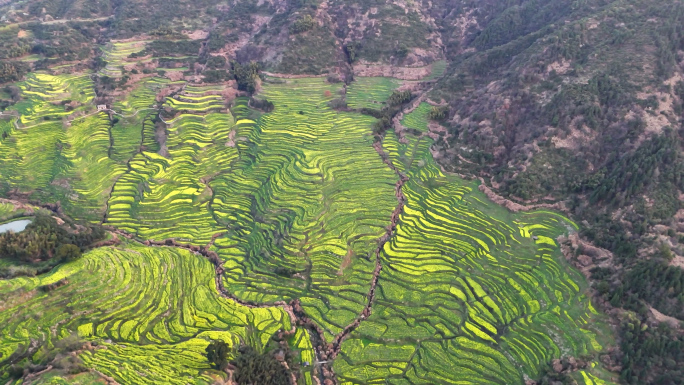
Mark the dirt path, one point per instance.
(61, 21)
(129, 116)
(394, 219)
(293, 308)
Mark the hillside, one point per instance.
(424, 192)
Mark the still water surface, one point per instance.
(16, 226)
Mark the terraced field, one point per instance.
(438, 69)
(91, 172)
(418, 118)
(295, 202)
(296, 207)
(6, 127)
(136, 109)
(165, 192)
(154, 310)
(367, 92)
(469, 292)
(198, 99)
(8, 211)
(116, 55)
(30, 157)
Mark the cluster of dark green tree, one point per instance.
(262, 104)
(249, 366)
(393, 105)
(303, 24)
(11, 71)
(651, 355)
(438, 113)
(246, 75)
(658, 159)
(53, 43)
(64, 42)
(216, 76)
(351, 49)
(12, 46)
(44, 239)
(10, 95)
(651, 282)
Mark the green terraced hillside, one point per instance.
(174, 202)
(418, 118)
(153, 311)
(116, 55)
(367, 92)
(295, 203)
(469, 293)
(297, 207)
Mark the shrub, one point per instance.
(333, 78)
(338, 104)
(217, 354)
(399, 97)
(216, 76)
(216, 62)
(246, 75)
(303, 24)
(68, 252)
(12, 71)
(252, 367)
(284, 271)
(438, 113)
(261, 104)
(165, 47)
(352, 51)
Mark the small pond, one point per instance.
(16, 226)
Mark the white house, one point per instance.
(101, 107)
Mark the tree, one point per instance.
(68, 252)
(352, 50)
(399, 97)
(217, 353)
(252, 367)
(246, 75)
(41, 239)
(12, 71)
(303, 24)
(438, 113)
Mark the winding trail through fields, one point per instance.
(336, 344)
(293, 308)
(337, 341)
(130, 116)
